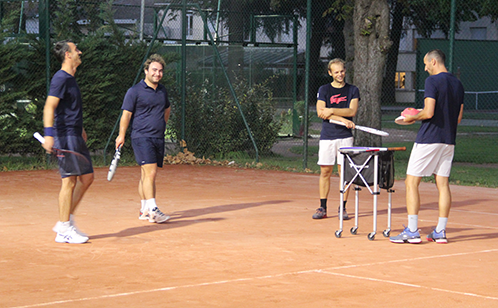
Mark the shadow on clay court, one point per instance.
(152, 228)
(176, 222)
(221, 208)
(472, 237)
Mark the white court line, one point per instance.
(410, 285)
(474, 212)
(414, 259)
(281, 275)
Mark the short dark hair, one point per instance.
(438, 55)
(60, 49)
(154, 58)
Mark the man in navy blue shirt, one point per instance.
(63, 122)
(434, 146)
(147, 108)
(337, 100)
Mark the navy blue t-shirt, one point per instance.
(68, 118)
(336, 98)
(448, 92)
(148, 106)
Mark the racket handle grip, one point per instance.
(337, 122)
(397, 149)
(112, 170)
(39, 137)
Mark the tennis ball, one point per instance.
(409, 111)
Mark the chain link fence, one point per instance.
(236, 72)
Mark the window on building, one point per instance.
(399, 80)
(478, 33)
(190, 24)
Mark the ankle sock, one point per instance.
(413, 223)
(441, 224)
(150, 204)
(323, 204)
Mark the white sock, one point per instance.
(142, 202)
(441, 224)
(64, 226)
(150, 204)
(413, 223)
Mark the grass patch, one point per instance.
(16, 163)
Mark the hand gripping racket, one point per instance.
(70, 161)
(363, 128)
(114, 164)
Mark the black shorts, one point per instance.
(148, 150)
(68, 166)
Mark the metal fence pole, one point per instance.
(306, 86)
(452, 35)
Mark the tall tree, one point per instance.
(371, 34)
(426, 20)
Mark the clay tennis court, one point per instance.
(238, 238)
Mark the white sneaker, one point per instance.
(57, 226)
(144, 215)
(157, 216)
(71, 237)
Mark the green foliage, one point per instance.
(110, 65)
(427, 21)
(214, 125)
(17, 116)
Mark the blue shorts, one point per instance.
(148, 150)
(71, 165)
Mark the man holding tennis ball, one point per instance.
(63, 122)
(146, 106)
(337, 100)
(434, 146)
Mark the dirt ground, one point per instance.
(239, 238)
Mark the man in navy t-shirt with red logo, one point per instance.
(434, 146)
(337, 100)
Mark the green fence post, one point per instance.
(452, 35)
(307, 83)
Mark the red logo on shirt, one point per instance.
(335, 99)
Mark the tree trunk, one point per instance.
(349, 49)
(388, 87)
(371, 32)
(316, 42)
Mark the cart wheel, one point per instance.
(338, 233)
(371, 236)
(354, 230)
(387, 232)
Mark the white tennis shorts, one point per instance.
(427, 159)
(328, 151)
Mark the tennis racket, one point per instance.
(70, 162)
(363, 128)
(114, 164)
(357, 150)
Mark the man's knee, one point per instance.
(87, 179)
(412, 181)
(326, 171)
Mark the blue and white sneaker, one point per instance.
(406, 237)
(439, 238)
(157, 216)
